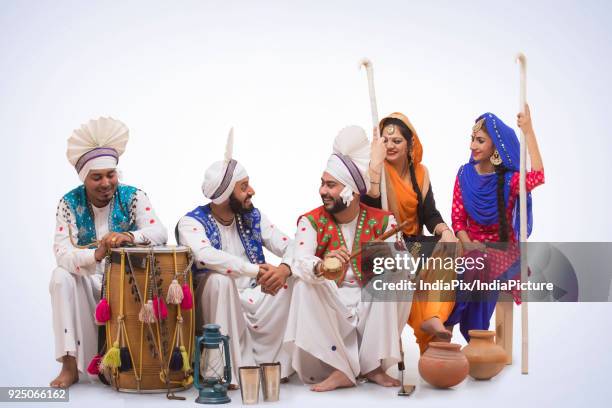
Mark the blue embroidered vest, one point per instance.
(249, 230)
(121, 217)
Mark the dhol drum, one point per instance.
(150, 334)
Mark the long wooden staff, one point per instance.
(522, 61)
(365, 62)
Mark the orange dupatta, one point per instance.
(401, 198)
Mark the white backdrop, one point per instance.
(285, 75)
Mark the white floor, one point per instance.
(570, 361)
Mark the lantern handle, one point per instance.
(227, 371)
(196, 372)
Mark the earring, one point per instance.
(495, 158)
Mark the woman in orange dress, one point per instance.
(409, 197)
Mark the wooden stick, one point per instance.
(504, 327)
(374, 109)
(382, 238)
(370, 73)
(522, 61)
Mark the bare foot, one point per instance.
(435, 328)
(337, 379)
(68, 375)
(379, 377)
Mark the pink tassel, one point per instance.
(175, 293)
(94, 365)
(103, 312)
(159, 308)
(187, 302)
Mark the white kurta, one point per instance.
(254, 321)
(331, 327)
(76, 281)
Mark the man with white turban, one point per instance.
(98, 215)
(236, 288)
(335, 334)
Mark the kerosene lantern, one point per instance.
(213, 370)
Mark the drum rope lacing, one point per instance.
(122, 335)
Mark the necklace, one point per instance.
(221, 220)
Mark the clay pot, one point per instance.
(443, 365)
(486, 358)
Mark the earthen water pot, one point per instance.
(486, 358)
(443, 365)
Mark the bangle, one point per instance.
(373, 182)
(288, 268)
(316, 267)
(444, 229)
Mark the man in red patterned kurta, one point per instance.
(334, 333)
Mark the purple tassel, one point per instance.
(126, 361)
(176, 360)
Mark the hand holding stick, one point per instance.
(365, 62)
(332, 268)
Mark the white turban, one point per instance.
(99, 163)
(349, 162)
(220, 179)
(97, 145)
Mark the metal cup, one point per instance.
(270, 380)
(249, 384)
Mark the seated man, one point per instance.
(334, 335)
(98, 215)
(227, 237)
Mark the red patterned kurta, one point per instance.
(498, 261)
(371, 224)
(489, 233)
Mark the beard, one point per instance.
(338, 204)
(239, 207)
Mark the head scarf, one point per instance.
(401, 197)
(97, 145)
(479, 191)
(221, 177)
(349, 162)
